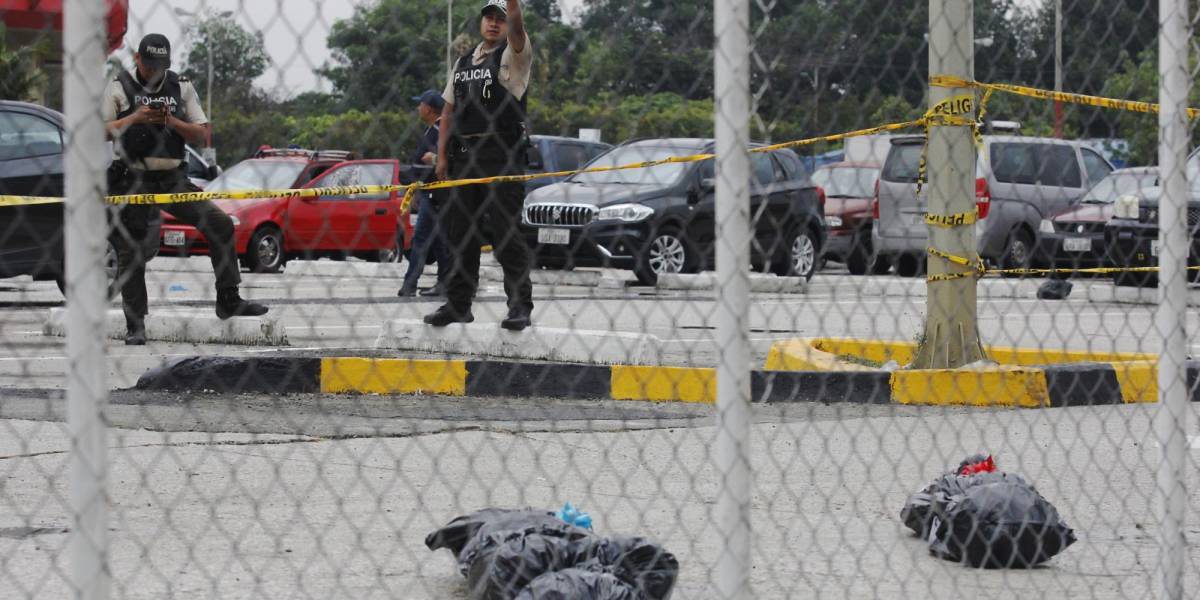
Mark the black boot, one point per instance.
(517, 320)
(230, 304)
(135, 328)
(446, 315)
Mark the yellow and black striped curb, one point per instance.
(1027, 387)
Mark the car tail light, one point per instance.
(875, 202)
(821, 198)
(983, 197)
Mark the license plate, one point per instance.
(1077, 244)
(173, 238)
(1154, 248)
(548, 235)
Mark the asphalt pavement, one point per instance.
(261, 496)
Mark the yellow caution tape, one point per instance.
(948, 81)
(967, 218)
(950, 276)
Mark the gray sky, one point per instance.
(294, 31)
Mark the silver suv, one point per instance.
(1019, 181)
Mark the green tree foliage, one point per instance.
(20, 77)
(238, 58)
(1138, 80)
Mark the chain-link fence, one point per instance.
(598, 300)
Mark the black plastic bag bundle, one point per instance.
(986, 519)
(502, 553)
(577, 584)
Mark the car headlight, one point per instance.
(833, 222)
(236, 221)
(624, 212)
(1047, 226)
(1126, 207)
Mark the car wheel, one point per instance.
(110, 273)
(394, 254)
(881, 265)
(801, 254)
(1019, 254)
(667, 252)
(910, 265)
(265, 252)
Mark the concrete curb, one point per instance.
(535, 343)
(605, 278)
(190, 326)
(1065, 386)
(487, 378)
(1028, 378)
(708, 281)
(1109, 293)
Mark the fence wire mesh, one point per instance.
(598, 300)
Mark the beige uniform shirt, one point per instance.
(115, 103)
(514, 69)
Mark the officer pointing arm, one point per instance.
(516, 41)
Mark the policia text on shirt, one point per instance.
(151, 114)
(483, 134)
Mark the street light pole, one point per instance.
(449, 35)
(210, 153)
(1058, 66)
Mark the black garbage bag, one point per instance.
(579, 584)
(1000, 523)
(985, 518)
(478, 534)
(921, 507)
(500, 574)
(635, 560)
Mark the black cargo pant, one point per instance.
(465, 212)
(129, 236)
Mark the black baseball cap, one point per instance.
(155, 51)
(499, 5)
(432, 98)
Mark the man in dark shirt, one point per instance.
(427, 235)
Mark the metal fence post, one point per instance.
(87, 295)
(732, 94)
(1170, 424)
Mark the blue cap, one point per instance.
(432, 98)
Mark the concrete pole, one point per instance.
(1171, 416)
(86, 159)
(951, 336)
(732, 79)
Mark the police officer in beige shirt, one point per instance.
(482, 135)
(151, 115)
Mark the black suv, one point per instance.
(661, 219)
(1132, 235)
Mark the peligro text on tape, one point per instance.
(965, 218)
(948, 81)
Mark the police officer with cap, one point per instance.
(482, 135)
(151, 115)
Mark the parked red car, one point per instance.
(270, 231)
(849, 189)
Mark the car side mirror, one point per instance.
(213, 172)
(536, 165)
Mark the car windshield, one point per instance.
(1117, 184)
(846, 182)
(664, 174)
(257, 175)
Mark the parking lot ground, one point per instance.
(255, 496)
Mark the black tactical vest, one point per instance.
(152, 141)
(483, 107)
